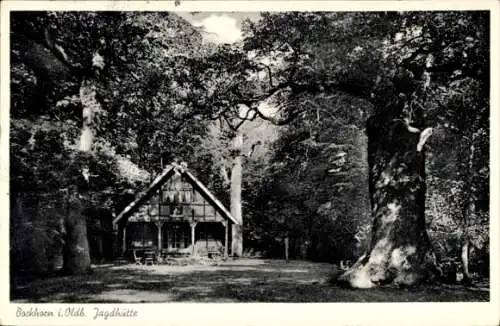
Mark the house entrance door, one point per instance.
(177, 236)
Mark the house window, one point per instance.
(172, 207)
(176, 207)
(187, 196)
(177, 236)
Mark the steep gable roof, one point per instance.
(167, 173)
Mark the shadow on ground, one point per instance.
(245, 280)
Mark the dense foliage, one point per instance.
(403, 66)
(298, 89)
(134, 129)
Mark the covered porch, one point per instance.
(170, 238)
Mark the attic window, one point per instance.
(176, 209)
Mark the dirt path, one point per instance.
(244, 280)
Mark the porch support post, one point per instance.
(124, 239)
(193, 227)
(159, 225)
(226, 238)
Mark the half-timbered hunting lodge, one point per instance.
(176, 214)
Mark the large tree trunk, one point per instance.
(51, 66)
(76, 249)
(399, 252)
(236, 210)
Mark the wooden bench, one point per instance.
(214, 252)
(149, 257)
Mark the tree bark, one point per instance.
(236, 210)
(91, 109)
(470, 208)
(286, 248)
(465, 262)
(76, 249)
(400, 251)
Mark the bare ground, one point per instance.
(243, 280)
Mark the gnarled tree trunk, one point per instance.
(76, 248)
(399, 252)
(59, 78)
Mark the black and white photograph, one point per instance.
(294, 156)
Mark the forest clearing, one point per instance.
(243, 280)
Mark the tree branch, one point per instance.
(60, 54)
(252, 149)
(278, 122)
(269, 74)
